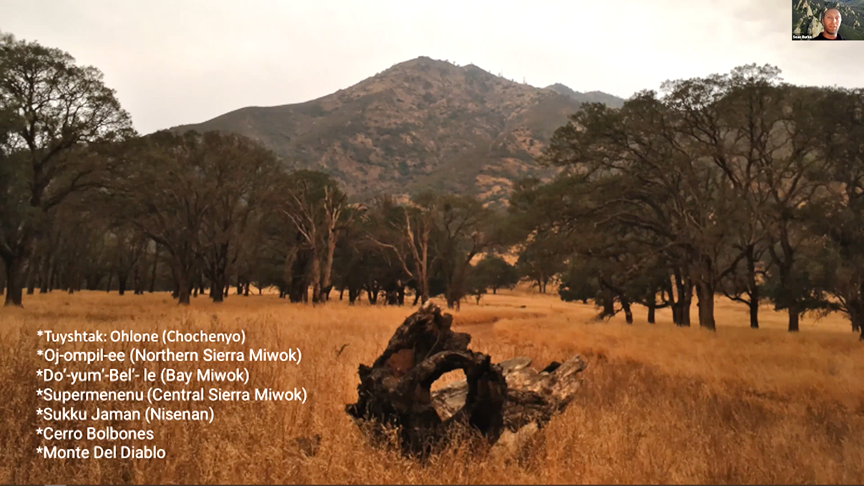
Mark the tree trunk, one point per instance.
(421, 259)
(153, 271)
(857, 319)
(216, 289)
(676, 313)
(453, 300)
(92, 281)
(794, 315)
(183, 286)
(687, 302)
(176, 292)
(754, 314)
(705, 293)
(449, 292)
(753, 287)
(297, 290)
(217, 277)
(651, 308)
(219, 274)
(316, 279)
(327, 267)
(47, 275)
(683, 299)
(608, 307)
(423, 294)
(136, 279)
(628, 313)
(392, 297)
(855, 306)
(14, 282)
(785, 264)
(121, 283)
(856, 315)
(31, 277)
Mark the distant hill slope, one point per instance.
(420, 124)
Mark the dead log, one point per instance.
(394, 393)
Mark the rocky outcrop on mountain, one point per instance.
(421, 123)
(815, 27)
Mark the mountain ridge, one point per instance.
(419, 124)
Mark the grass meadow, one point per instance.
(659, 404)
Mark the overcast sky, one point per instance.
(185, 61)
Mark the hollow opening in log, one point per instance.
(449, 380)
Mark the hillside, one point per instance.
(421, 123)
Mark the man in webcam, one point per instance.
(831, 22)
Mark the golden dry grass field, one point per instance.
(659, 404)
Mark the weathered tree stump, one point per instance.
(394, 393)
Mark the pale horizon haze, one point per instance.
(187, 61)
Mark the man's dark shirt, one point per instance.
(821, 36)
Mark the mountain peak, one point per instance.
(422, 123)
(421, 63)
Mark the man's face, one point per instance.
(831, 21)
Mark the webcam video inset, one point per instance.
(823, 20)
